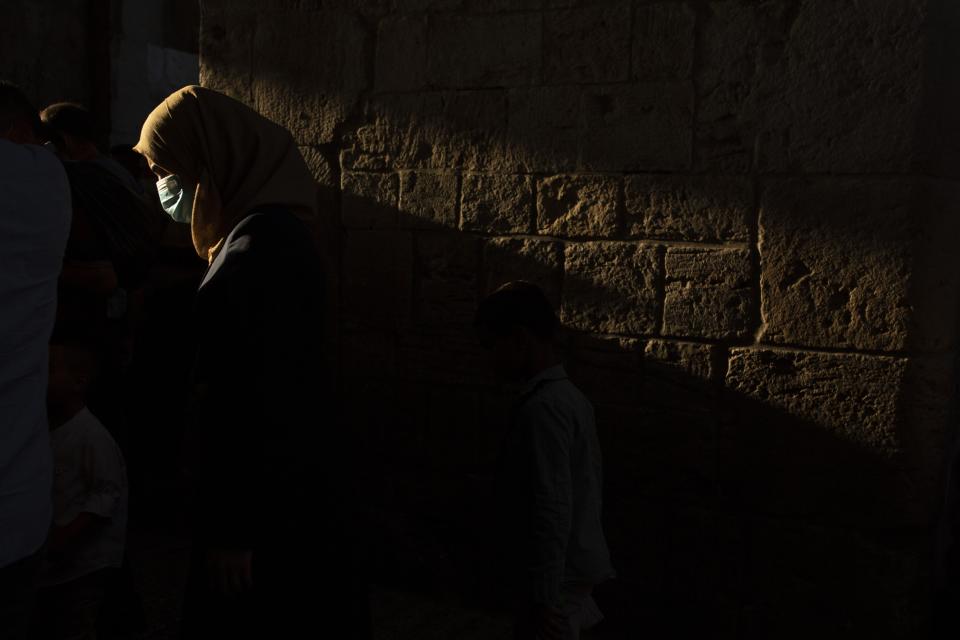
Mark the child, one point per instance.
(88, 535)
(550, 474)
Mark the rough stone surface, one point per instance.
(537, 261)
(845, 395)
(787, 80)
(511, 44)
(709, 209)
(587, 44)
(663, 41)
(611, 287)
(447, 281)
(637, 127)
(574, 206)
(430, 130)
(369, 200)
(496, 203)
(708, 293)
(401, 63)
(857, 263)
(544, 128)
(310, 90)
(226, 51)
(428, 199)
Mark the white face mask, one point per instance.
(176, 201)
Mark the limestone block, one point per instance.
(428, 200)
(827, 95)
(431, 130)
(544, 128)
(680, 377)
(688, 359)
(484, 50)
(377, 286)
(536, 261)
(401, 63)
(787, 79)
(369, 200)
(226, 49)
(708, 293)
(663, 41)
(859, 263)
(587, 44)
(309, 90)
(637, 127)
(581, 205)
(819, 435)
(693, 208)
(610, 287)
(446, 279)
(852, 397)
(496, 203)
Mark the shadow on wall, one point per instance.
(769, 355)
(748, 489)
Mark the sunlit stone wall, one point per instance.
(747, 214)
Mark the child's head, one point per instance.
(517, 324)
(73, 368)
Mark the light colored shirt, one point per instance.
(34, 225)
(556, 421)
(89, 476)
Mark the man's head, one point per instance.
(73, 370)
(19, 121)
(73, 130)
(517, 324)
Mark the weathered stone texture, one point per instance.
(637, 127)
(611, 287)
(574, 206)
(510, 44)
(858, 263)
(447, 282)
(430, 130)
(309, 90)
(709, 209)
(708, 293)
(846, 395)
(663, 41)
(497, 203)
(428, 199)
(544, 128)
(226, 51)
(369, 200)
(537, 261)
(808, 85)
(401, 63)
(587, 44)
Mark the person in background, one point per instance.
(88, 537)
(75, 135)
(271, 556)
(34, 224)
(550, 475)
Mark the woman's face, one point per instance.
(157, 170)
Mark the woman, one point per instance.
(260, 430)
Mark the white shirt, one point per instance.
(34, 224)
(89, 476)
(557, 421)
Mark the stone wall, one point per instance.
(746, 213)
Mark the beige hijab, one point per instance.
(236, 158)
